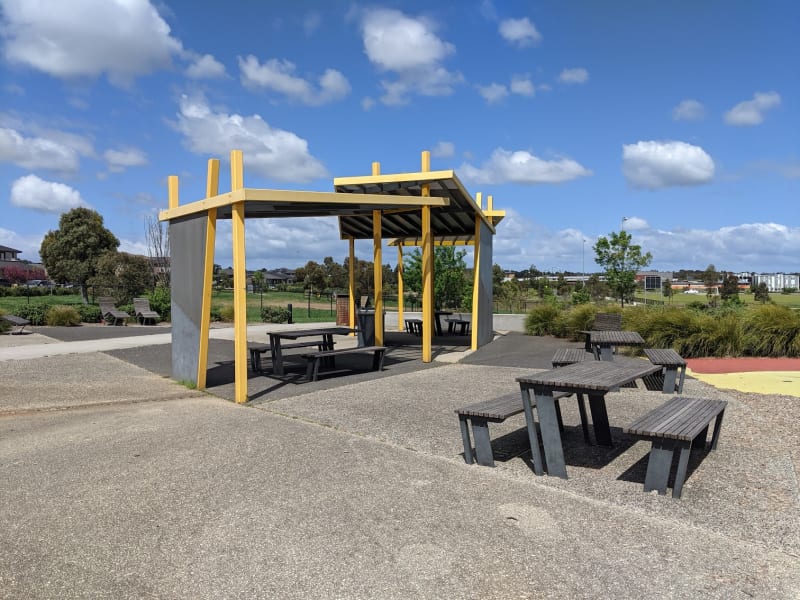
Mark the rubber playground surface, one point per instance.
(758, 375)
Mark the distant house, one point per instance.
(279, 277)
(778, 281)
(9, 254)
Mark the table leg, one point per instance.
(438, 323)
(602, 430)
(533, 437)
(327, 344)
(551, 436)
(606, 352)
(277, 356)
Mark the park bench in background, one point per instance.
(141, 307)
(459, 321)
(604, 321)
(678, 424)
(672, 362)
(314, 359)
(17, 322)
(111, 314)
(414, 326)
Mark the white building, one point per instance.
(777, 281)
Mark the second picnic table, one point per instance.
(603, 342)
(325, 335)
(595, 379)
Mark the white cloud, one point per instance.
(44, 196)
(444, 150)
(205, 67)
(578, 75)
(751, 112)
(311, 22)
(410, 49)
(522, 167)
(87, 38)
(520, 32)
(119, 160)
(522, 85)
(278, 76)
(689, 110)
(367, 103)
(37, 152)
(760, 247)
(268, 151)
(493, 93)
(27, 244)
(655, 165)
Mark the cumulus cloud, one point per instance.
(522, 85)
(689, 110)
(522, 167)
(577, 75)
(520, 32)
(269, 151)
(311, 22)
(37, 152)
(205, 67)
(278, 76)
(44, 196)
(751, 112)
(654, 165)
(444, 150)
(409, 49)
(122, 39)
(119, 160)
(493, 93)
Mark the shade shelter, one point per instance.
(405, 206)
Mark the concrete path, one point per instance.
(118, 482)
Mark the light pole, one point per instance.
(622, 225)
(583, 261)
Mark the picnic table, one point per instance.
(324, 342)
(437, 319)
(603, 342)
(593, 378)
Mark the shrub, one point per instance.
(226, 313)
(35, 313)
(4, 325)
(89, 313)
(577, 319)
(161, 301)
(275, 314)
(772, 331)
(719, 335)
(542, 319)
(62, 316)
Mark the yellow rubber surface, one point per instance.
(759, 382)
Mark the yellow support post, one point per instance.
(377, 265)
(476, 278)
(400, 318)
(212, 189)
(427, 268)
(239, 282)
(352, 284)
(172, 191)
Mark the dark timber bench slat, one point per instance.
(679, 423)
(480, 414)
(672, 363)
(18, 322)
(315, 358)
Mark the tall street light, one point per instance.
(622, 225)
(583, 261)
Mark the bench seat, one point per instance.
(18, 322)
(678, 424)
(495, 410)
(672, 364)
(414, 326)
(314, 359)
(256, 350)
(462, 324)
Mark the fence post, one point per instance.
(289, 308)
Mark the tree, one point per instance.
(729, 288)
(621, 260)
(258, 281)
(70, 253)
(157, 239)
(762, 293)
(450, 282)
(123, 276)
(666, 289)
(710, 280)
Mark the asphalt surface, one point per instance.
(119, 483)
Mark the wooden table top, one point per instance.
(593, 375)
(621, 338)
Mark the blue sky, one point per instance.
(680, 120)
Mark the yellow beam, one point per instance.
(427, 269)
(476, 279)
(393, 178)
(351, 282)
(212, 189)
(400, 318)
(377, 266)
(239, 282)
(172, 191)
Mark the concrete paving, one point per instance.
(118, 482)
